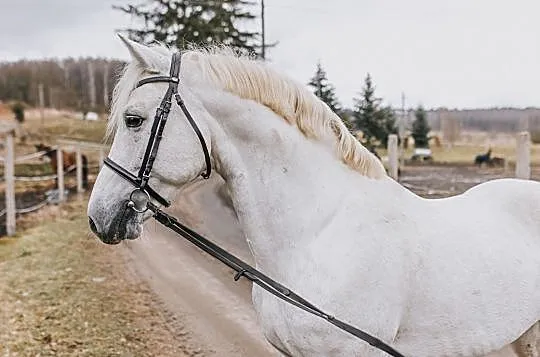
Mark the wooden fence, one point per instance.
(78, 147)
(523, 156)
(10, 179)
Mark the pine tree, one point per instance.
(420, 129)
(376, 123)
(327, 93)
(324, 90)
(177, 23)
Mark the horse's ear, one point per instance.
(147, 58)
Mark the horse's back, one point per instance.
(476, 267)
(517, 198)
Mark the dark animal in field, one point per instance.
(69, 160)
(483, 158)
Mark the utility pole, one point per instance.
(263, 50)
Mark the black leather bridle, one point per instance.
(142, 193)
(139, 201)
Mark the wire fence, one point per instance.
(44, 177)
(29, 209)
(39, 178)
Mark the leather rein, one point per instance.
(140, 202)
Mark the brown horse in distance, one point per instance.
(69, 160)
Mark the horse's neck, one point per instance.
(285, 188)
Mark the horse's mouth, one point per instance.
(126, 225)
(118, 234)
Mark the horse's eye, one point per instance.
(133, 121)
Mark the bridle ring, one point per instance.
(133, 205)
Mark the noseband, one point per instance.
(140, 197)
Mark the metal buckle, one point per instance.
(138, 200)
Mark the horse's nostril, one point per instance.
(92, 225)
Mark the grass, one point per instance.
(69, 128)
(65, 294)
(31, 169)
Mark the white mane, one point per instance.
(252, 80)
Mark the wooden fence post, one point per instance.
(523, 156)
(79, 169)
(393, 156)
(60, 173)
(9, 175)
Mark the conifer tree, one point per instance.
(324, 90)
(420, 129)
(178, 23)
(327, 93)
(375, 122)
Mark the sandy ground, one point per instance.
(200, 291)
(196, 288)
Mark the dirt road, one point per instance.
(215, 311)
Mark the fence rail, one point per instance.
(29, 209)
(23, 158)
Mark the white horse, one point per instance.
(446, 277)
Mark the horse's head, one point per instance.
(114, 207)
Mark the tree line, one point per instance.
(369, 116)
(83, 84)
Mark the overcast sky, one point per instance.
(457, 53)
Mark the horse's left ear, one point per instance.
(147, 58)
